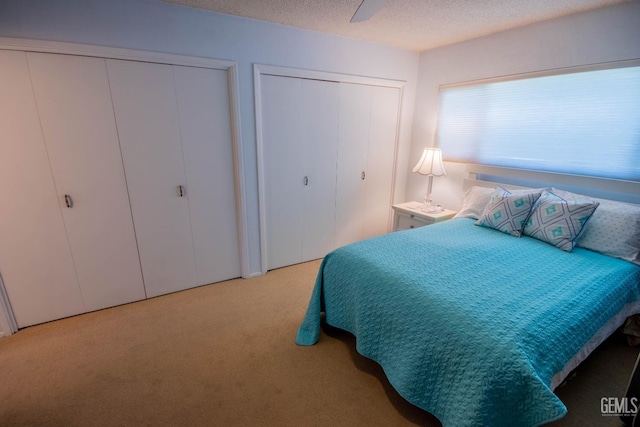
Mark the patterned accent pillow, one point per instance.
(613, 230)
(508, 212)
(557, 221)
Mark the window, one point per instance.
(583, 123)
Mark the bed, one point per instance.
(472, 323)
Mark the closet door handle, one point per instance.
(362, 175)
(68, 201)
(306, 180)
(181, 191)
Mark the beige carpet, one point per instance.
(224, 355)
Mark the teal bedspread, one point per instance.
(468, 323)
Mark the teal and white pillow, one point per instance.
(558, 221)
(507, 212)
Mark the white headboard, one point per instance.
(612, 189)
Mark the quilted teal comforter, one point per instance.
(468, 323)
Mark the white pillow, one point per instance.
(474, 201)
(613, 229)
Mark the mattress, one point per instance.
(468, 323)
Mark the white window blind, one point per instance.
(584, 123)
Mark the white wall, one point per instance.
(155, 26)
(602, 35)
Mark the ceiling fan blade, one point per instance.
(366, 10)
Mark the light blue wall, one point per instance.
(156, 26)
(602, 35)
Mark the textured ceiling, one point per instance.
(409, 24)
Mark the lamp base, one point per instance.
(432, 209)
(428, 207)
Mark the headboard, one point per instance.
(611, 189)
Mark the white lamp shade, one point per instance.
(430, 163)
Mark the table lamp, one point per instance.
(430, 164)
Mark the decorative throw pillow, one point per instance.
(558, 221)
(474, 201)
(613, 229)
(508, 212)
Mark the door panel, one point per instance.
(203, 105)
(385, 104)
(284, 173)
(300, 135)
(320, 119)
(355, 105)
(148, 125)
(72, 93)
(35, 259)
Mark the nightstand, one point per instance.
(410, 215)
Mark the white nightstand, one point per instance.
(410, 215)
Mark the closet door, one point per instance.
(284, 174)
(147, 119)
(35, 258)
(205, 122)
(299, 137)
(353, 150)
(175, 129)
(320, 117)
(76, 114)
(383, 131)
(366, 157)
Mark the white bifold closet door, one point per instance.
(68, 244)
(35, 257)
(174, 129)
(328, 158)
(300, 136)
(77, 121)
(366, 157)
